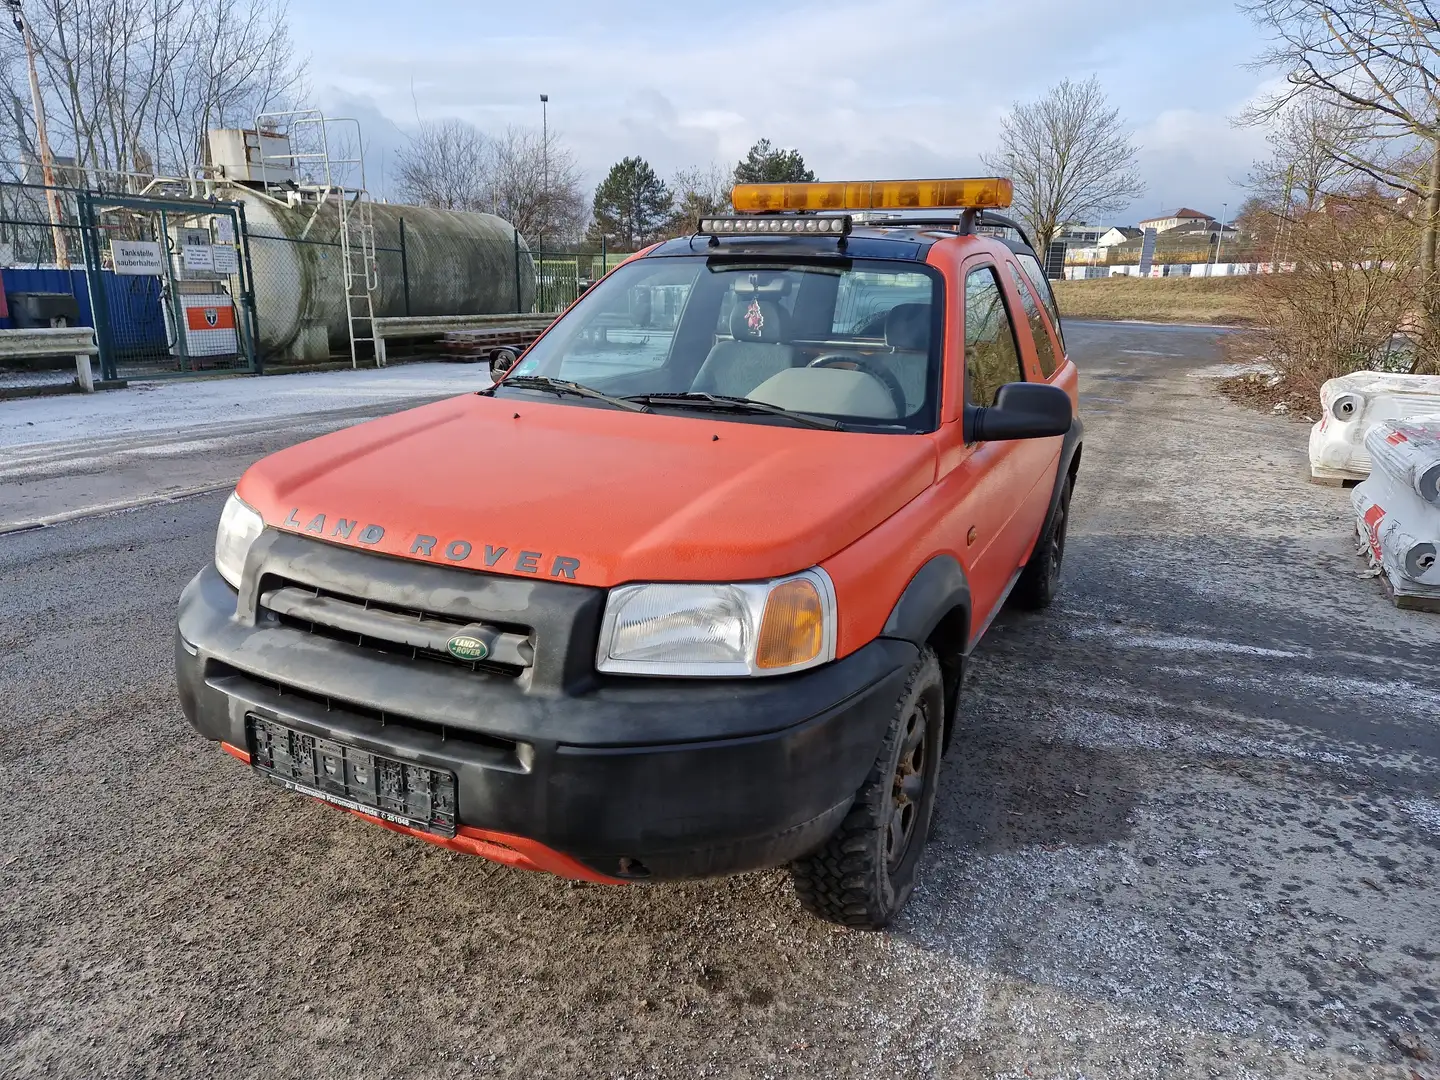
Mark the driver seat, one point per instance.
(759, 350)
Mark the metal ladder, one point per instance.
(357, 255)
(357, 217)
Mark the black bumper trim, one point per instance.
(690, 777)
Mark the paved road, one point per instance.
(1191, 830)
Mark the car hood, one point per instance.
(595, 495)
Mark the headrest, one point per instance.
(907, 327)
(757, 320)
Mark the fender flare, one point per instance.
(1069, 451)
(937, 598)
(937, 589)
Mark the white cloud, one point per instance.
(907, 88)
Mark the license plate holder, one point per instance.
(397, 791)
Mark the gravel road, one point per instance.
(1191, 829)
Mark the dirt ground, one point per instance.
(1191, 830)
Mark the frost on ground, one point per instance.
(172, 404)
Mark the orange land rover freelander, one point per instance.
(690, 590)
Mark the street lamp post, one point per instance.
(544, 165)
(42, 140)
(1220, 236)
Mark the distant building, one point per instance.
(1118, 235)
(1174, 219)
(1078, 234)
(1200, 228)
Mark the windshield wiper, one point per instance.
(563, 387)
(701, 400)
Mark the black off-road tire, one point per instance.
(1040, 580)
(860, 877)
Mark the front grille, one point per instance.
(394, 630)
(537, 632)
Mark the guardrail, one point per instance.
(497, 331)
(42, 342)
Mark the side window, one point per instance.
(991, 358)
(1043, 348)
(1031, 266)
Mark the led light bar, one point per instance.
(984, 193)
(788, 225)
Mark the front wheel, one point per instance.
(863, 875)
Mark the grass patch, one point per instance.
(1191, 300)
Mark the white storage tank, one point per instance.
(457, 264)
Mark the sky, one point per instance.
(885, 89)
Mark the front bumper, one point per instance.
(629, 778)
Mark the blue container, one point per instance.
(137, 316)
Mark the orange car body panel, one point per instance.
(604, 497)
(626, 496)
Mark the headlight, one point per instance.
(239, 526)
(764, 628)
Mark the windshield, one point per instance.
(856, 340)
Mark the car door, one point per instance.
(1006, 507)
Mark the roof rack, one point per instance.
(964, 223)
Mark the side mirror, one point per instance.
(1021, 411)
(502, 360)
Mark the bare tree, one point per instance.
(1351, 291)
(446, 163)
(1070, 157)
(1309, 140)
(698, 193)
(454, 165)
(134, 85)
(537, 189)
(1378, 63)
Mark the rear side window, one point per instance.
(991, 358)
(1031, 266)
(1043, 348)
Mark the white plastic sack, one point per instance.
(1402, 532)
(1351, 405)
(1408, 451)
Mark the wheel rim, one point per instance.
(908, 787)
(1057, 540)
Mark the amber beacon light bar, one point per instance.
(985, 193)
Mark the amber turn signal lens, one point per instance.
(793, 629)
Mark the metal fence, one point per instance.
(562, 276)
(163, 281)
(170, 285)
(177, 285)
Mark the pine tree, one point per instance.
(632, 205)
(767, 164)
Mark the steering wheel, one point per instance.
(875, 371)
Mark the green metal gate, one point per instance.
(171, 289)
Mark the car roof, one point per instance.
(888, 240)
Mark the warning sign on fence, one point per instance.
(209, 325)
(201, 257)
(140, 257)
(225, 259)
